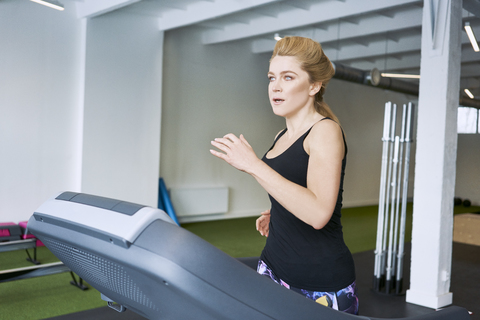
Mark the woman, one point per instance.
(303, 175)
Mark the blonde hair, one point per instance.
(312, 60)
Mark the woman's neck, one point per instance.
(302, 121)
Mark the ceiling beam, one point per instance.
(470, 70)
(341, 30)
(93, 8)
(378, 48)
(205, 10)
(411, 61)
(299, 4)
(468, 54)
(470, 83)
(409, 18)
(296, 18)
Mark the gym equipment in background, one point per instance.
(392, 206)
(139, 259)
(16, 237)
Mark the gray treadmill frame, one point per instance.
(170, 273)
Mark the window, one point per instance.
(467, 121)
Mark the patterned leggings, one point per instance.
(343, 300)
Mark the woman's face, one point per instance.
(290, 88)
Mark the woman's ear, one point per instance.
(315, 88)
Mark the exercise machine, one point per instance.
(140, 259)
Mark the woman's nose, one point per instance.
(276, 87)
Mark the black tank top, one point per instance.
(303, 257)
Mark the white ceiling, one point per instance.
(363, 34)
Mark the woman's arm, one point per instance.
(313, 205)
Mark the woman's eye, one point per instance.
(288, 78)
(271, 79)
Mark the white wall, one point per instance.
(123, 86)
(210, 91)
(39, 105)
(80, 104)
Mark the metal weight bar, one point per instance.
(408, 140)
(388, 279)
(393, 121)
(381, 205)
(398, 188)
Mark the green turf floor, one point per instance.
(41, 297)
(49, 296)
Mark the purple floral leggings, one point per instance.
(343, 300)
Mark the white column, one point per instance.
(436, 154)
(122, 114)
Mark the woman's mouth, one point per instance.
(277, 100)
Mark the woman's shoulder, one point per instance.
(326, 133)
(326, 126)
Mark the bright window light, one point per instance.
(467, 121)
(478, 121)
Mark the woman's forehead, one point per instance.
(284, 63)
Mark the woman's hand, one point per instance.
(263, 222)
(235, 151)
